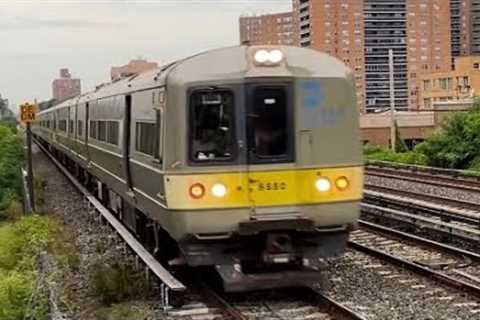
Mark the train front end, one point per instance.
(272, 174)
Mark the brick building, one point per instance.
(460, 84)
(65, 87)
(337, 28)
(133, 67)
(269, 29)
(360, 32)
(465, 27)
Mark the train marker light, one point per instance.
(323, 184)
(342, 183)
(197, 191)
(219, 190)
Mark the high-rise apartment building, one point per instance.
(361, 32)
(385, 29)
(429, 42)
(465, 27)
(268, 29)
(337, 28)
(65, 87)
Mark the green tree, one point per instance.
(457, 143)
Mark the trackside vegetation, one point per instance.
(22, 293)
(455, 146)
(11, 159)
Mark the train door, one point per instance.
(270, 143)
(126, 141)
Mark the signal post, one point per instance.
(28, 114)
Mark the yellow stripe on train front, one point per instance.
(264, 188)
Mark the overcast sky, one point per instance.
(37, 38)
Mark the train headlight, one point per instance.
(197, 191)
(276, 56)
(323, 184)
(262, 56)
(342, 183)
(219, 190)
(272, 57)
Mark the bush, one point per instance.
(117, 282)
(380, 154)
(11, 156)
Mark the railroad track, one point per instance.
(467, 207)
(426, 176)
(297, 303)
(452, 267)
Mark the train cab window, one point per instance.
(267, 122)
(113, 132)
(211, 126)
(102, 131)
(145, 137)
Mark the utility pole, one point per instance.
(393, 136)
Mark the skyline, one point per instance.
(41, 37)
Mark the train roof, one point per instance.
(231, 63)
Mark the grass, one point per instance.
(21, 242)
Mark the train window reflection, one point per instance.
(211, 135)
(268, 122)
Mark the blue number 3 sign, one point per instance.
(313, 95)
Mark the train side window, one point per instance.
(113, 132)
(102, 131)
(70, 126)
(145, 137)
(62, 125)
(211, 126)
(93, 129)
(80, 128)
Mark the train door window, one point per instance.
(80, 128)
(211, 126)
(102, 131)
(145, 137)
(93, 129)
(268, 125)
(113, 132)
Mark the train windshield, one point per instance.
(269, 124)
(211, 123)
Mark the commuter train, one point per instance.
(246, 159)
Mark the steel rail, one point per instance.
(417, 268)
(420, 240)
(424, 207)
(452, 229)
(169, 282)
(340, 311)
(425, 197)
